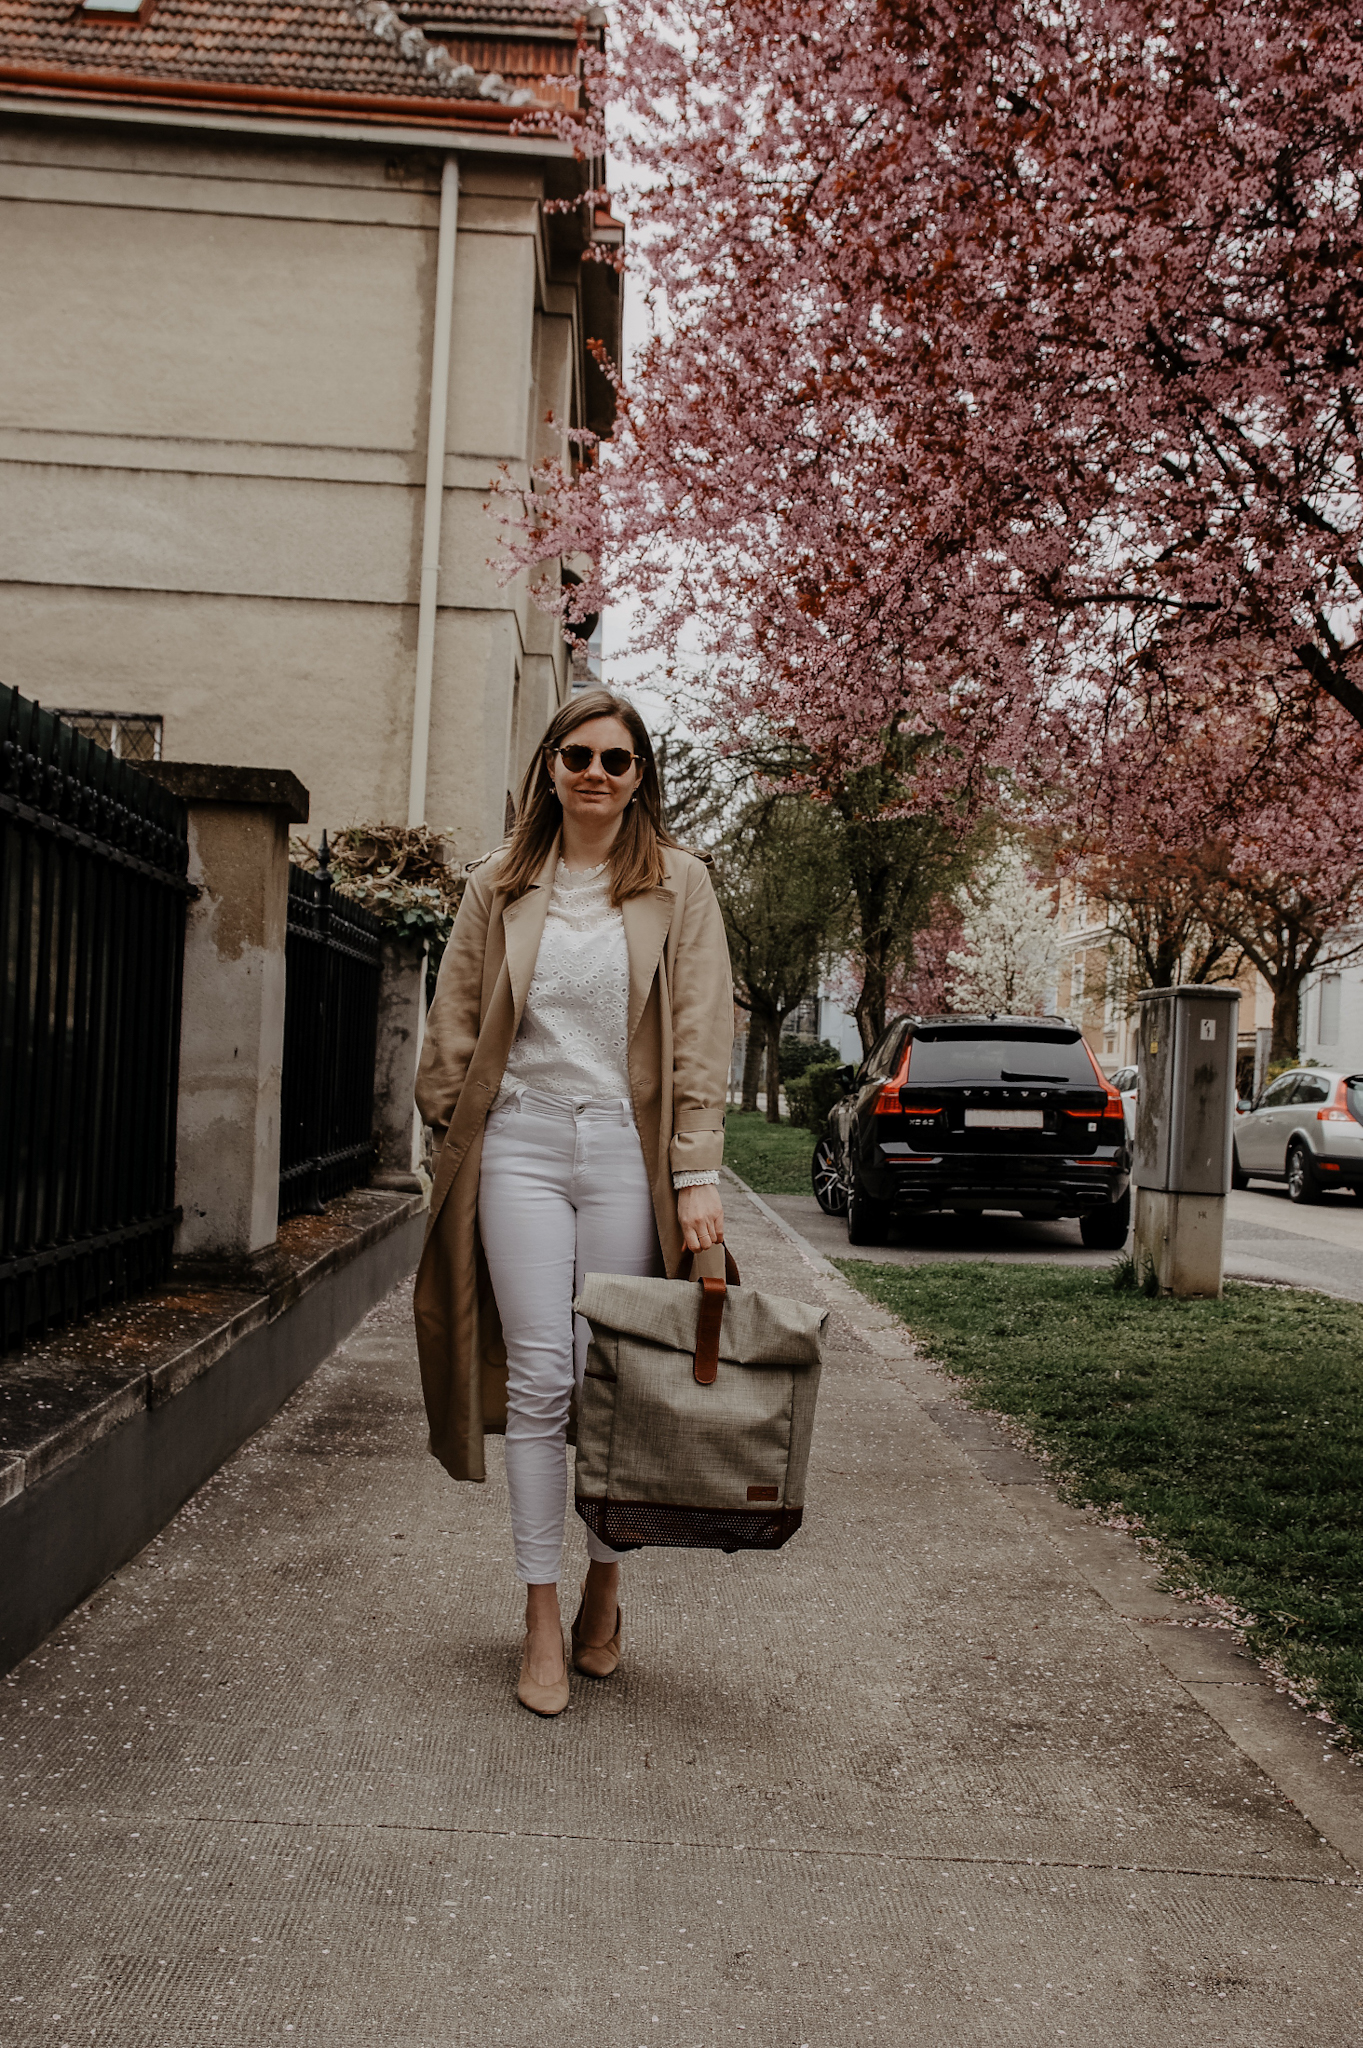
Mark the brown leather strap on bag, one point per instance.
(706, 1362)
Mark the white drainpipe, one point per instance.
(435, 490)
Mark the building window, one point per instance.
(1328, 1032)
(1113, 992)
(131, 735)
(118, 10)
(586, 662)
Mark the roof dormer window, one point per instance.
(117, 10)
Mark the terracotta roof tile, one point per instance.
(353, 46)
(494, 15)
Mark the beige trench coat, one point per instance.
(680, 1038)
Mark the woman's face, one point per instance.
(590, 796)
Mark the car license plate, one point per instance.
(1005, 1120)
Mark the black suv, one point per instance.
(971, 1113)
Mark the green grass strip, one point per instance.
(1232, 1428)
(772, 1158)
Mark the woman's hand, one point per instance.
(701, 1216)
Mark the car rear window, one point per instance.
(1035, 1058)
(1355, 1088)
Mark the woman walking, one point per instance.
(574, 1070)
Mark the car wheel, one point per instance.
(829, 1192)
(1105, 1230)
(1302, 1185)
(1238, 1177)
(868, 1221)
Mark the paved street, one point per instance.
(1267, 1238)
(924, 1777)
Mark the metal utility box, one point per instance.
(1185, 1112)
(1185, 1101)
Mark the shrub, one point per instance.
(401, 875)
(811, 1097)
(798, 1055)
(798, 1107)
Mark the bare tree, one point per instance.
(783, 889)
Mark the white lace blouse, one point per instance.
(574, 1036)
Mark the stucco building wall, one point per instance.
(213, 420)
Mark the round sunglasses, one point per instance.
(615, 760)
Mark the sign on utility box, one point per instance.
(1185, 1111)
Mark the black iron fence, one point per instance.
(92, 914)
(331, 1010)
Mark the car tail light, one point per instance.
(1114, 1098)
(1338, 1111)
(887, 1101)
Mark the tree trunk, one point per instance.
(870, 1010)
(772, 1026)
(752, 1063)
(1287, 1016)
(1285, 948)
(1164, 962)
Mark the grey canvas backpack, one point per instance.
(695, 1416)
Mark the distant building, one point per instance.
(1332, 1014)
(284, 289)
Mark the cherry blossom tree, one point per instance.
(1219, 847)
(1005, 359)
(1143, 827)
(1290, 889)
(1003, 383)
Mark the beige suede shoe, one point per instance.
(596, 1660)
(541, 1699)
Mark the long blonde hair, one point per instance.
(636, 861)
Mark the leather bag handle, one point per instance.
(705, 1365)
(693, 1259)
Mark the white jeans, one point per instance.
(563, 1191)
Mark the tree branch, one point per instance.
(1332, 679)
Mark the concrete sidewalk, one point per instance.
(911, 1780)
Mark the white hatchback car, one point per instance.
(1124, 1081)
(1306, 1129)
